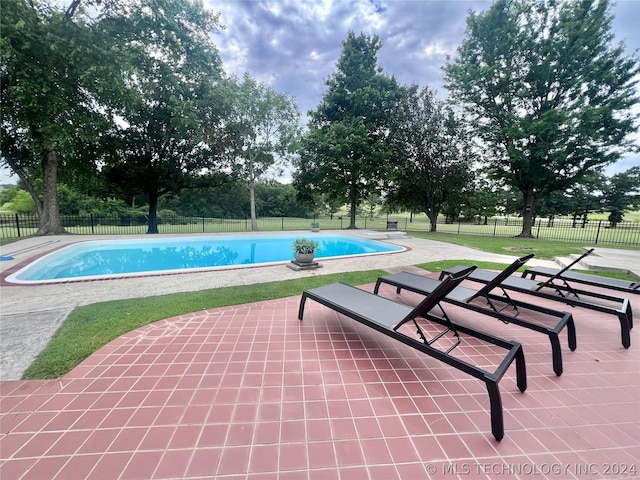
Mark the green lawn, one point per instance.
(545, 249)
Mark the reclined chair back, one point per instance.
(434, 298)
(560, 272)
(506, 273)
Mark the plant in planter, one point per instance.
(315, 226)
(304, 249)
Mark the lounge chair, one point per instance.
(620, 307)
(567, 277)
(464, 297)
(387, 316)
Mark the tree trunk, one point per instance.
(352, 211)
(26, 182)
(528, 212)
(433, 219)
(252, 202)
(50, 223)
(153, 213)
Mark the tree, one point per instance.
(274, 199)
(345, 153)
(434, 157)
(267, 125)
(175, 105)
(57, 71)
(578, 201)
(547, 91)
(622, 192)
(483, 200)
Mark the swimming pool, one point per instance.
(100, 259)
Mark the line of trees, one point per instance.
(129, 99)
(231, 200)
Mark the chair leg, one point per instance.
(627, 309)
(521, 370)
(571, 335)
(556, 353)
(495, 402)
(625, 329)
(301, 308)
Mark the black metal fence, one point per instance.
(591, 233)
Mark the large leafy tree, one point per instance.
(266, 123)
(173, 112)
(346, 154)
(58, 72)
(621, 192)
(548, 92)
(434, 157)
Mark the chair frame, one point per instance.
(463, 297)
(377, 313)
(568, 295)
(565, 275)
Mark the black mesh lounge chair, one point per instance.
(464, 297)
(566, 277)
(620, 307)
(387, 316)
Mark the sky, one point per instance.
(294, 45)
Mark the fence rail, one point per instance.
(593, 232)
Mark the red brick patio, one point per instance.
(249, 392)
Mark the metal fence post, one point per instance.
(598, 231)
(18, 225)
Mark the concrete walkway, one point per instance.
(30, 315)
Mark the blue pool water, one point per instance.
(113, 258)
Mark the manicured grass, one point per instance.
(90, 327)
(543, 249)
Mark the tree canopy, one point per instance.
(433, 156)
(266, 124)
(58, 70)
(132, 88)
(175, 99)
(346, 154)
(549, 94)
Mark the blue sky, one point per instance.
(293, 45)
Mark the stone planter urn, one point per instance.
(304, 250)
(302, 257)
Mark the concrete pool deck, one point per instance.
(30, 315)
